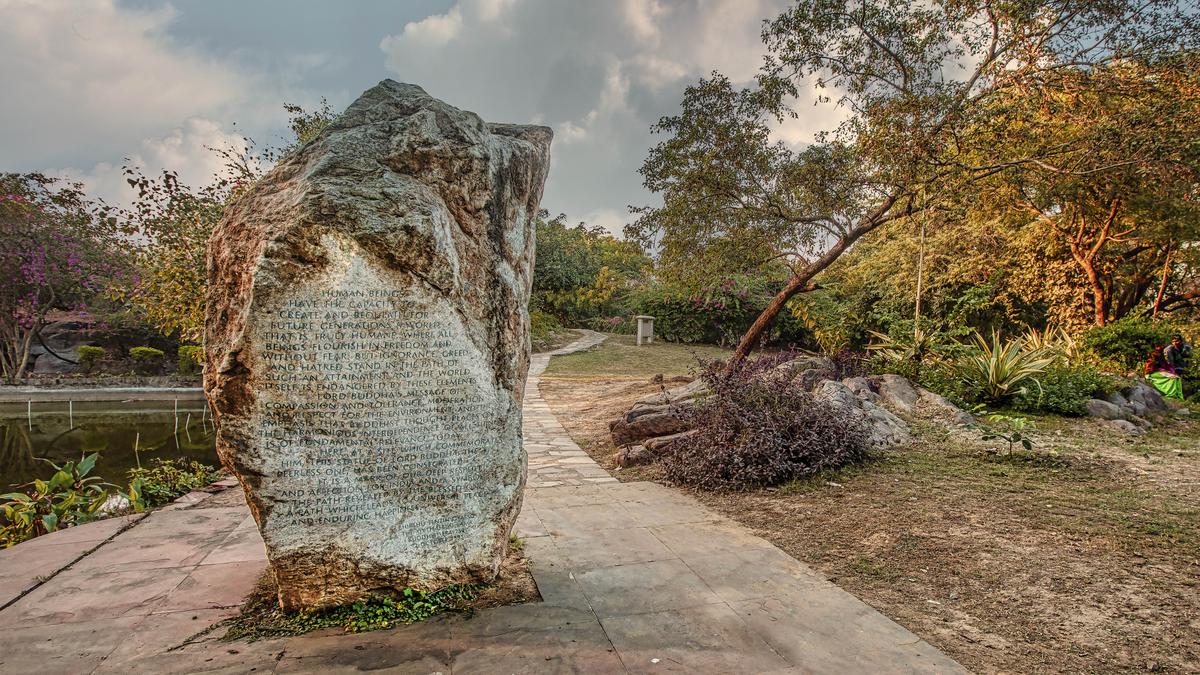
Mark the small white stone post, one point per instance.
(645, 329)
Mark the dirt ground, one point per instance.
(1081, 556)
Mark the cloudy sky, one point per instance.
(88, 83)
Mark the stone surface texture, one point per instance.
(367, 332)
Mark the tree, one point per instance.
(579, 270)
(55, 255)
(1123, 201)
(918, 82)
(173, 221)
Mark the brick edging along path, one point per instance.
(634, 577)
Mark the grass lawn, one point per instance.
(619, 357)
(1081, 556)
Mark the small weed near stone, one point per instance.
(262, 618)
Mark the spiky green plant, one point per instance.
(1054, 342)
(915, 346)
(1001, 369)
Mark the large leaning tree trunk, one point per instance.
(925, 92)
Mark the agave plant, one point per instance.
(1001, 369)
(915, 346)
(1054, 342)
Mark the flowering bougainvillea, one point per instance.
(54, 255)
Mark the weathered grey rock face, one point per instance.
(368, 334)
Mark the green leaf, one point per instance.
(87, 463)
(50, 520)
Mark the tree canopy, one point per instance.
(927, 89)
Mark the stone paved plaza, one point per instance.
(634, 577)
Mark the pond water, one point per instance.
(59, 432)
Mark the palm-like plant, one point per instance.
(1053, 342)
(915, 346)
(1001, 369)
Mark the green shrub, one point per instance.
(1065, 390)
(544, 329)
(191, 359)
(1128, 341)
(716, 314)
(146, 354)
(69, 497)
(89, 356)
(166, 479)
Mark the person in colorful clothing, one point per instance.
(1178, 354)
(1162, 375)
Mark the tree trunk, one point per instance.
(802, 280)
(1162, 286)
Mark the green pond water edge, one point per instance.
(125, 433)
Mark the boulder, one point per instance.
(884, 428)
(939, 407)
(861, 387)
(1134, 409)
(1103, 410)
(1123, 427)
(367, 336)
(687, 392)
(1142, 392)
(896, 392)
(807, 371)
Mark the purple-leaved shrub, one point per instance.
(754, 430)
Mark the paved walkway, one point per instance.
(635, 577)
(554, 459)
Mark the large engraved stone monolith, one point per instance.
(367, 343)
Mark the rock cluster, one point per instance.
(1129, 411)
(367, 342)
(660, 418)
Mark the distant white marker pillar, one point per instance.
(645, 330)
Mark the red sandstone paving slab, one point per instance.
(68, 648)
(643, 587)
(690, 540)
(25, 565)
(581, 648)
(87, 533)
(244, 544)
(21, 568)
(529, 524)
(418, 648)
(167, 524)
(210, 659)
(85, 596)
(127, 553)
(704, 639)
(582, 521)
(755, 573)
(213, 587)
(157, 634)
(604, 548)
(534, 616)
(826, 630)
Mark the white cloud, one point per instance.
(190, 150)
(610, 219)
(599, 73)
(438, 29)
(92, 80)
